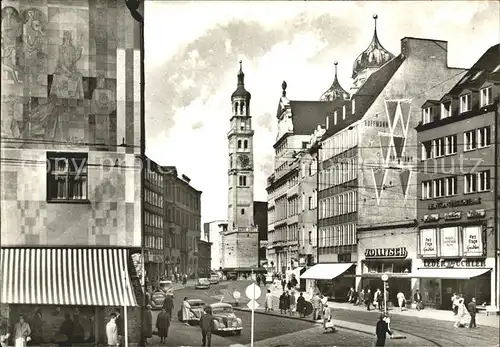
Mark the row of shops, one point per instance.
(48, 286)
(405, 257)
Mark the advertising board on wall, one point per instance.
(449, 242)
(473, 243)
(428, 246)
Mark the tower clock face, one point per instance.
(244, 160)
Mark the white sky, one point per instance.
(192, 54)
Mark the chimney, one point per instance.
(428, 50)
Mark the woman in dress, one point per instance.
(463, 316)
(186, 309)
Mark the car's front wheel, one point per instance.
(238, 332)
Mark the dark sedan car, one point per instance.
(225, 319)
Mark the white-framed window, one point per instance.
(426, 150)
(335, 115)
(470, 140)
(427, 115)
(450, 144)
(439, 187)
(465, 103)
(485, 95)
(446, 109)
(426, 189)
(470, 183)
(451, 185)
(353, 105)
(344, 111)
(438, 145)
(483, 181)
(483, 137)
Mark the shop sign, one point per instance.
(476, 213)
(452, 215)
(428, 245)
(399, 252)
(455, 203)
(449, 241)
(430, 218)
(473, 245)
(454, 263)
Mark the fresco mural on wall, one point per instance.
(392, 144)
(58, 76)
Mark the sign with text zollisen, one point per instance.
(374, 253)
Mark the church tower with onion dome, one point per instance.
(335, 92)
(370, 60)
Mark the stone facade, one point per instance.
(204, 259)
(71, 83)
(240, 249)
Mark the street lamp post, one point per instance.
(385, 278)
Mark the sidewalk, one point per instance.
(481, 318)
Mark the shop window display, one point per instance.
(431, 295)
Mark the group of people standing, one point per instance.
(465, 316)
(367, 298)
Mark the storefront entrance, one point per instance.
(478, 287)
(394, 286)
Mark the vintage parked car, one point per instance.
(202, 283)
(225, 319)
(157, 299)
(214, 279)
(197, 306)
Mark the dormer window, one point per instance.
(335, 114)
(427, 115)
(446, 109)
(353, 106)
(344, 109)
(465, 103)
(486, 96)
(327, 122)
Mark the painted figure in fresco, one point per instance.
(32, 42)
(11, 31)
(101, 106)
(12, 117)
(67, 81)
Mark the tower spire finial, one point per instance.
(375, 17)
(336, 63)
(283, 87)
(241, 65)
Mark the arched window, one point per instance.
(245, 144)
(242, 105)
(236, 107)
(239, 143)
(242, 211)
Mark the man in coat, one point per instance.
(168, 304)
(381, 331)
(472, 311)
(301, 305)
(147, 326)
(417, 297)
(206, 325)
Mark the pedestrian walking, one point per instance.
(361, 297)
(206, 325)
(454, 303)
(283, 303)
(22, 332)
(184, 280)
(350, 295)
(293, 303)
(147, 325)
(382, 329)
(162, 325)
(287, 302)
(269, 301)
(377, 299)
(301, 305)
(368, 299)
(327, 319)
(417, 298)
(283, 284)
(401, 300)
(186, 309)
(112, 331)
(258, 280)
(472, 311)
(316, 304)
(168, 304)
(66, 329)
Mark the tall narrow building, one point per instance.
(241, 241)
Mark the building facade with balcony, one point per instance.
(70, 165)
(182, 207)
(458, 188)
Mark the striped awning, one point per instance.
(65, 276)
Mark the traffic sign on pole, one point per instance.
(385, 277)
(253, 305)
(253, 292)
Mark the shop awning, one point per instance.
(449, 273)
(326, 271)
(62, 276)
